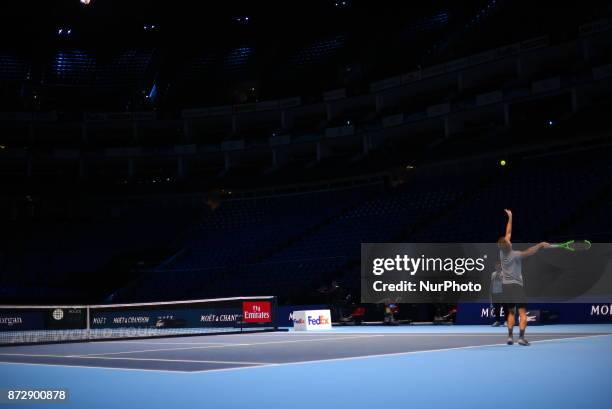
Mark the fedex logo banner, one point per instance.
(310, 320)
(318, 320)
(257, 311)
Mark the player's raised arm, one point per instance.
(509, 224)
(534, 249)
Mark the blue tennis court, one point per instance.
(434, 366)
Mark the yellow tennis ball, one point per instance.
(502, 162)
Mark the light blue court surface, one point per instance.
(475, 370)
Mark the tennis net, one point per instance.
(24, 324)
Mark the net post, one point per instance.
(275, 313)
(87, 324)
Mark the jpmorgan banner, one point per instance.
(463, 272)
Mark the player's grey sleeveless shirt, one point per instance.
(512, 272)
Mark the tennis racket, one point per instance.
(573, 245)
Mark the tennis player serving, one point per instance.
(512, 280)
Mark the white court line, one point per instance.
(353, 334)
(171, 360)
(445, 334)
(234, 336)
(112, 353)
(109, 368)
(163, 343)
(293, 341)
(139, 359)
(480, 334)
(152, 342)
(155, 350)
(423, 333)
(350, 358)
